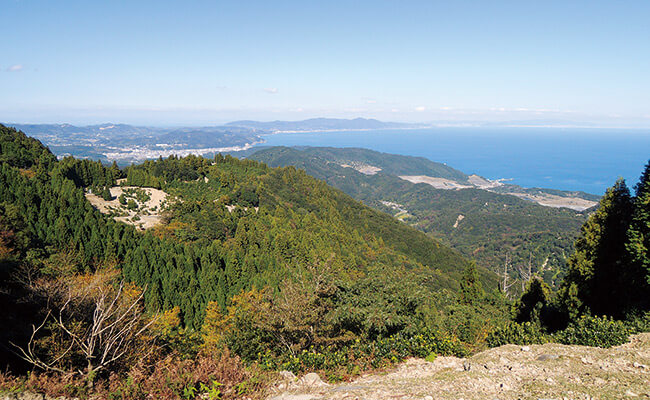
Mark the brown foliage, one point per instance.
(172, 376)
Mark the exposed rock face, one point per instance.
(550, 371)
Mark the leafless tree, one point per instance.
(526, 272)
(108, 333)
(505, 286)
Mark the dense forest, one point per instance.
(495, 229)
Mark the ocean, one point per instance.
(588, 160)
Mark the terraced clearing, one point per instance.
(147, 213)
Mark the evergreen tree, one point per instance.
(106, 194)
(598, 270)
(471, 289)
(534, 302)
(638, 244)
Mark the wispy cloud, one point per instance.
(271, 90)
(420, 108)
(15, 68)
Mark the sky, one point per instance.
(195, 62)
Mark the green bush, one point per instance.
(594, 331)
(516, 333)
(638, 322)
(131, 205)
(363, 355)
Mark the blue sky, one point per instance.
(194, 62)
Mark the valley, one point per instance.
(489, 221)
(347, 200)
(224, 270)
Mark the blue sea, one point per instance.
(589, 160)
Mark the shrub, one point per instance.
(594, 331)
(638, 322)
(516, 333)
(360, 355)
(131, 205)
(173, 378)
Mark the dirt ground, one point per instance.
(544, 199)
(549, 371)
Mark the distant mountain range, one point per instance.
(323, 124)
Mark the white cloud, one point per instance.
(15, 68)
(271, 90)
(420, 108)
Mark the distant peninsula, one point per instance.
(128, 143)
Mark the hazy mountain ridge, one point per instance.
(404, 167)
(322, 124)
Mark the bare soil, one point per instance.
(147, 215)
(543, 199)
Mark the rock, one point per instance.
(466, 365)
(600, 381)
(544, 357)
(312, 379)
(288, 375)
(428, 398)
(630, 393)
(638, 365)
(525, 348)
(348, 388)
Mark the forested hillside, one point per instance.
(236, 234)
(255, 269)
(489, 227)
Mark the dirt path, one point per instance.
(550, 371)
